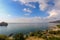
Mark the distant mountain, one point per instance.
(57, 21)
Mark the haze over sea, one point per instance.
(24, 27)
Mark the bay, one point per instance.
(24, 27)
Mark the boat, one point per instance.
(3, 24)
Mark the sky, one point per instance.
(29, 11)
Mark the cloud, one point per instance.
(42, 3)
(24, 20)
(27, 10)
(26, 3)
(53, 11)
(26, 14)
(54, 14)
(4, 16)
(32, 6)
(15, 0)
(57, 4)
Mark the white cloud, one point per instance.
(15, 0)
(24, 20)
(4, 16)
(27, 10)
(27, 1)
(57, 4)
(32, 6)
(42, 3)
(54, 12)
(26, 14)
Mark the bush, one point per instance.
(58, 26)
(3, 37)
(19, 36)
(54, 38)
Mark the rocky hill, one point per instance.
(57, 21)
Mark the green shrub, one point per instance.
(3, 37)
(58, 26)
(54, 38)
(19, 36)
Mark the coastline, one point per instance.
(36, 35)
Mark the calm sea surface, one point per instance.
(24, 27)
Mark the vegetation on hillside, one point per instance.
(58, 26)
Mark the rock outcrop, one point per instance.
(3, 24)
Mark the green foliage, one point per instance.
(54, 38)
(3, 37)
(19, 36)
(42, 34)
(58, 26)
(55, 32)
(36, 33)
(31, 34)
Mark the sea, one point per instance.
(24, 27)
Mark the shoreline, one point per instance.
(36, 35)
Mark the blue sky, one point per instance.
(29, 10)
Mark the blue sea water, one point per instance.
(24, 27)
